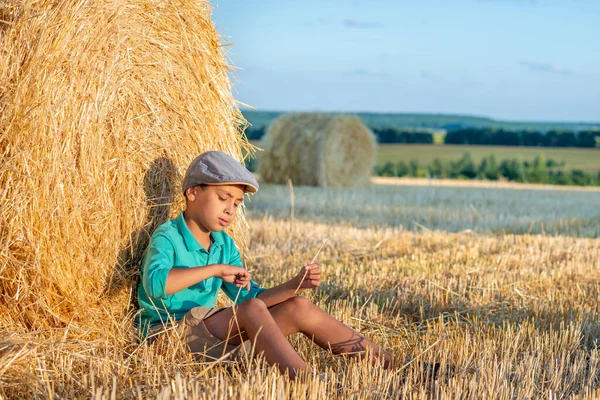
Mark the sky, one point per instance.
(523, 60)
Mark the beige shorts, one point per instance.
(200, 341)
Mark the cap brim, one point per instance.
(250, 188)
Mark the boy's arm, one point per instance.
(160, 279)
(309, 277)
(181, 278)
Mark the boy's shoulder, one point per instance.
(168, 230)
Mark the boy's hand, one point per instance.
(309, 277)
(236, 275)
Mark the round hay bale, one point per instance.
(103, 105)
(318, 150)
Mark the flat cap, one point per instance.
(218, 168)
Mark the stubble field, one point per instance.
(503, 285)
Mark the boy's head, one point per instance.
(214, 186)
(218, 168)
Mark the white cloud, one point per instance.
(545, 67)
(357, 24)
(368, 72)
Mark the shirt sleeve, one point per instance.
(156, 265)
(230, 289)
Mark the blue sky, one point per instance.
(527, 60)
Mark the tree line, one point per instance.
(488, 136)
(430, 122)
(540, 170)
(383, 135)
(396, 135)
(477, 136)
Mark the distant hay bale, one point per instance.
(318, 150)
(102, 106)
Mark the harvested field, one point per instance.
(426, 206)
(515, 315)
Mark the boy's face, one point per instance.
(214, 207)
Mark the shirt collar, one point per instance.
(190, 241)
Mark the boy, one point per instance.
(190, 258)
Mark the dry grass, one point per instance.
(516, 315)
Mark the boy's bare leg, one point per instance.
(255, 322)
(298, 314)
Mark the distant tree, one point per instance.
(561, 178)
(512, 170)
(386, 135)
(419, 137)
(566, 139)
(537, 172)
(439, 168)
(253, 133)
(414, 166)
(416, 170)
(587, 138)
(466, 167)
(388, 169)
(581, 178)
(402, 169)
(531, 138)
(396, 135)
(457, 137)
(551, 163)
(488, 168)
(506, 138)
(550, 139)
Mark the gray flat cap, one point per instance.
(218, 168)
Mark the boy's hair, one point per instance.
(218, 168)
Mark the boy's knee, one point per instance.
(253, 305)
(300, 304)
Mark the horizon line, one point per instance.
(579, 122)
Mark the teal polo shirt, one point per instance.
(173, 246)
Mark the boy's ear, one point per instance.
(190, 193)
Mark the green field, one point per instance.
(585, 159)
(574, 158)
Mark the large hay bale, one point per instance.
(103, 105)
(318, 150)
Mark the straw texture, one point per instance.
(318, 150)
(103, 104)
